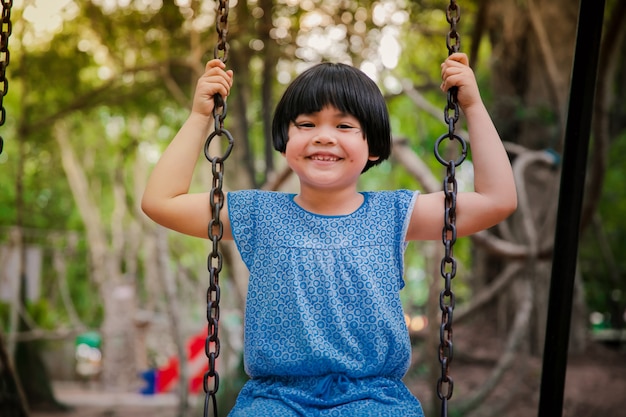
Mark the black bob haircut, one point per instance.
(345, 88)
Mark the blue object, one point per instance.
(324, 327)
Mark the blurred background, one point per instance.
(92, 293)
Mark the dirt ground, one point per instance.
(595, 387)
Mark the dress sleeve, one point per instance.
(242, 213)
(406, 203)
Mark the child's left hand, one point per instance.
(455, 72)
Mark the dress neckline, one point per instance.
(358, 209)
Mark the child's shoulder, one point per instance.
(401, 194)
(258, 194)
(386, 201)
(257, 198)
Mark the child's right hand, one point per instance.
(215, 80)
(456, 72)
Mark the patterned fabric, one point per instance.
(324, 327)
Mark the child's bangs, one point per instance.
(329, 88)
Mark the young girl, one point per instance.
(324, 328)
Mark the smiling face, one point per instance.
(327, 149)
(345, 89)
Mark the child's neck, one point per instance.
(329, 203)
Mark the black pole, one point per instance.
(577, 132)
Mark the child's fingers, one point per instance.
(457, 60)
(452, 76)
(216, 80)
(455, 72)
(214, 63)
(212, 85)
(216, 67)
(459, 57)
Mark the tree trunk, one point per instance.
(533, 44)
(12, 401)
(118, 332)
(30, 382)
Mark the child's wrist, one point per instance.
(199, 118)
(199, 123)
(475, 107)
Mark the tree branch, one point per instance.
(507, 359)
(402, 152)
(495, 288)
(420, 101)
(94, 97)
(547, 54)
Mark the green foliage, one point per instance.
(603, 242)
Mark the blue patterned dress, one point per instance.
(324, 328)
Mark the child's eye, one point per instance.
(346, 126)
(304, 124)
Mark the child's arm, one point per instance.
(166, 199)
(494, 197)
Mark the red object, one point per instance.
(167, 376)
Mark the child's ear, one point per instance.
(373, 158)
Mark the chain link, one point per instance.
(453, 16)
(5, 33)
(211, 380)
(445, 384)
(221, 26)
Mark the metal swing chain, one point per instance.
(445, 383)
(215, 227)
(5, 33)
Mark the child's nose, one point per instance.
(324, 137)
